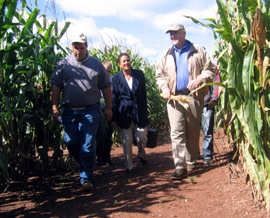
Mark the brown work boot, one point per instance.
(179, 174)
(88, 186)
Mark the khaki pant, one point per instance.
(185, 131)
(140, 135)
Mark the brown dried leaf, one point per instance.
(258, 28)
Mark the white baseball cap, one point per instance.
(80, 39)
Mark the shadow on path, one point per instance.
(115, 191)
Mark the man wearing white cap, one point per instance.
(80, 78)
(182, 68)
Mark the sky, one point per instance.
(138, 24)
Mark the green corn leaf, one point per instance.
(46, 49)
(252, 5)
(267, 5)
(248, 68)
(2, 6)
(195, 20)
(47, 36)
(29, 23)
(222, 8)
(48, 33)
(253, 170)
(11, 9)
(244, 13)
(67, 24)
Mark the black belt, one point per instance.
(81, 108)
(182, 92)
(77, 108)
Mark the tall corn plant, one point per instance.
(242, 37)
(27, 60)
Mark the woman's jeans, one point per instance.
(80, 128)
(207, 126)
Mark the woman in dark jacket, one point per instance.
(130, 109)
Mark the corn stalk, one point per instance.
(242, 34)
(27, 60)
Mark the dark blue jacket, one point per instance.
(129, 106)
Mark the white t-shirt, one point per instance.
(129, 82)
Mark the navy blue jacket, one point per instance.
(129, 106)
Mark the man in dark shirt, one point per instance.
(80, 78)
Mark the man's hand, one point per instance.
(194, 84)
(166, 93)
(55, 98)
(108, 113)
(107, 93)
(55, 115)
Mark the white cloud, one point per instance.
(147, 52)
(126, 9)
(162, 21)
(83, 25)
(110, 36)
(97, 37)
(113, 37)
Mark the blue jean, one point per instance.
(208, 130)
(80, 129)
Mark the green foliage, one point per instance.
(27, 61)
(244, 67)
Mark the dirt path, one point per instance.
(217, 190)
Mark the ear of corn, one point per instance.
(258, 28)
(181, 99)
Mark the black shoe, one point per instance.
(129, 171)
(144, 162)
(179, 174)
(99, 162)
(110, 162)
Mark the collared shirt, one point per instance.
(182, 76)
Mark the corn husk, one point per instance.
(181, 99)
(258, 29)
